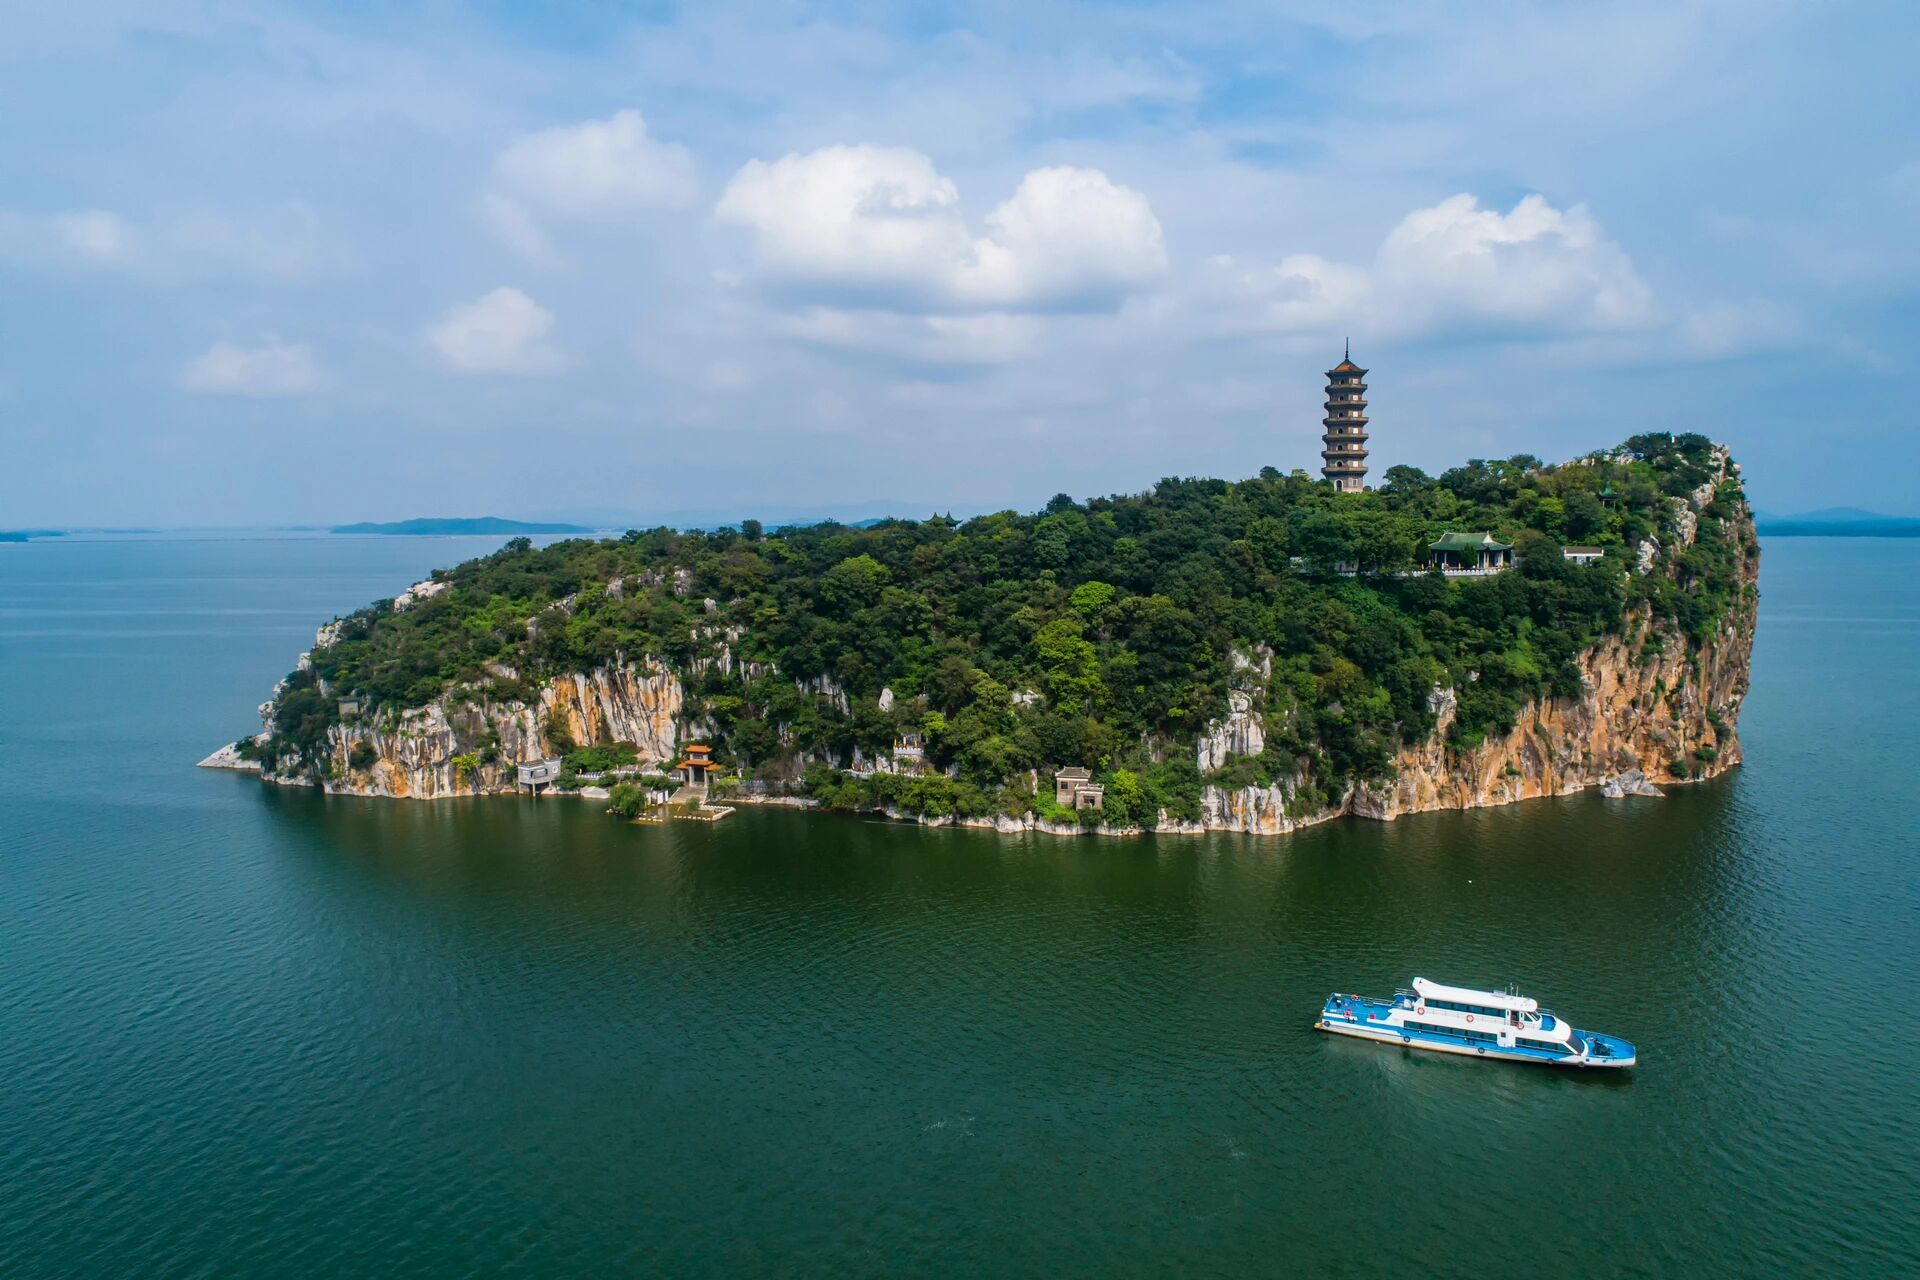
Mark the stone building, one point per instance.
(536, 774)
(1074, 788)
(1343, 450)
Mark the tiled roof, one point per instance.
(1468, 542)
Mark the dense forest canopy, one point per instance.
(1106, 633)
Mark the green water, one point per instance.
(249, 1031)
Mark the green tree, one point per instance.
(1070, 665)
(854, 583)
(1091, 600)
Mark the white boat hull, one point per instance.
(1394, 1035)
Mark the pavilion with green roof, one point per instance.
(1469, 553)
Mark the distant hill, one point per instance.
(23, 535)
(1838, 522)
(854, 515)
(472, 525)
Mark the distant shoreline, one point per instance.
(1864, 529)
(459, 527)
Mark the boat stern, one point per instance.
(1350, 1012)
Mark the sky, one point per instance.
(310, 263)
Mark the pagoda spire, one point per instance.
(1343, 441)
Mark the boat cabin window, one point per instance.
(1453, 1033)
(1484, 1010)
(1551, 1046)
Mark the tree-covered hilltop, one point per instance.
(1106, 633)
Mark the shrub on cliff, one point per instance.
(611, 755)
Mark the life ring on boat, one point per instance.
(1483, 1049)
(1469, 1017)
(1421, 1010)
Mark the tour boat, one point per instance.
(1485, 1024)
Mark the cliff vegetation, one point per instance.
(1252, 653)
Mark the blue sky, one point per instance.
(308, 263)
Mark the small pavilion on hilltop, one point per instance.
(1470, 553)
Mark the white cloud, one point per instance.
(271, 369)
(286, 242)
(519, 229)
(1451, 267)
(932, 341)
(1724, 329)
(1302, 293)
(596, 170)
(880, 227)
(1537, 265)
(95, 235)
(504, 331)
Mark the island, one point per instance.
(1252, 655)
(464, 526)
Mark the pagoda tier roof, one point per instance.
(1346, 366)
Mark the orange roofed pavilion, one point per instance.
(697, 764)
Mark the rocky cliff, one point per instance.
(1647, 708)
(1653, 706)
(459, 745)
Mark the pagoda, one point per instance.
(1344, 442)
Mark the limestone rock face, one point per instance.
(1643, 707)
(1645, 555)
(1650, 698)
(1686, 524)
(1260, 811)
(828, 690)
(1631, 783)
(1239, 734)
(414, 754)
(228, 757)
(416, 593)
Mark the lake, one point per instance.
(248, 1030)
